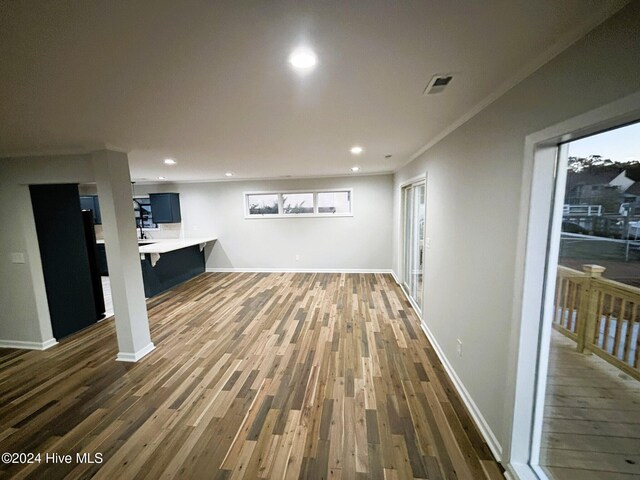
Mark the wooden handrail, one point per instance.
(570, 271)
(601, 315)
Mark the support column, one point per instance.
(111, 170)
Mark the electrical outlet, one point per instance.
(297, 257)
(459, 348)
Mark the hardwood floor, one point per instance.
(254, 376)
(592, 417)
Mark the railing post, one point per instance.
(587, 311)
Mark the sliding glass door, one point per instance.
(413, 200)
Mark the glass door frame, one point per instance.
(406, 201)
(540, 219)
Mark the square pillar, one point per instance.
(111, 170)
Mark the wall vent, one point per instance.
(438, 83)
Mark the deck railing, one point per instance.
(601, 315)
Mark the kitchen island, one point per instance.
(168, 262)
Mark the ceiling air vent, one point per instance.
(437, 84)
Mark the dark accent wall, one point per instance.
(65, 261)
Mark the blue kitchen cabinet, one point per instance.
(165, 207)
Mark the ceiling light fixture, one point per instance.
(162, 178)
(228, 174)
(303, 59)
(169, 161)
(355, 169)
(356, 150)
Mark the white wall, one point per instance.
(473, 196)
(360, 242)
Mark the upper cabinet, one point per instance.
(90, 202)
(165, 207)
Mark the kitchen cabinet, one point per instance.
(90, 202)
(165, 207)
(171, 269)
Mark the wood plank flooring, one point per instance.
(273, 376)
(592, 417)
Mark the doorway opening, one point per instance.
(414, 203)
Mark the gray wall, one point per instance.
(474, 187)
(360, 242)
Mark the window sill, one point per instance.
(298, 215)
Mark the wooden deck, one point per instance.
(592, 417)
(272, 376)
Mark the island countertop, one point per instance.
(164, 245)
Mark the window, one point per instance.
(263, 204)
(295, 203)
(334, 202)
(320, 203)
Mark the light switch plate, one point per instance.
(17, 257)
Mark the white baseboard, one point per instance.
(475, 412)
(28, 345)
(395, 277)
(297, 270)
(134, 357)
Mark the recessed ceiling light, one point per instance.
(228, 174)
(169, 161)
(162, 178)
(303, 59)
(355, 169)
(356, 150)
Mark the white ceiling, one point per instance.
(207, 82)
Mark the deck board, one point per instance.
(592, 417)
